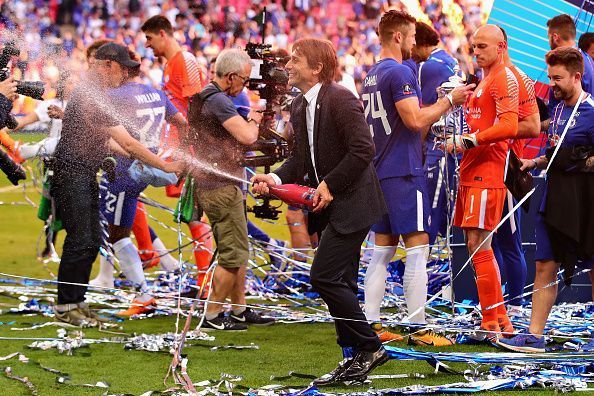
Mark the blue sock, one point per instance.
(153, 234)
(257, 233)
(507, 246)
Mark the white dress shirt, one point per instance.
(311, 97)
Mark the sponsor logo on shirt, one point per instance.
(474, 112)
(406, 89)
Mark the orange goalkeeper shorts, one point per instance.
(479, 207)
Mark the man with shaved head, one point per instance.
(492, 118)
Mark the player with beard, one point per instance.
(399, 125)
(561, 32)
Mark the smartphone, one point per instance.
(472, 79)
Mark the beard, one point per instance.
(562, 94)
(406, 54)
(552, 44)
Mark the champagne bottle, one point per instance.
(294, 195)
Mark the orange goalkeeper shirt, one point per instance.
(495, 95)
(526, 104)
(183, 78)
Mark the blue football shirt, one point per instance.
(398, 149)
(432, 73)
(142, 110)
(435, 71)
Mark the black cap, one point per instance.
(117, 53)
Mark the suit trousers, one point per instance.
(334, 274)
(77, 204)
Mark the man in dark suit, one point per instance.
(334, 149)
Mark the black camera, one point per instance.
(270, 79)
(33, 89)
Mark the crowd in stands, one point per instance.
(57, 31)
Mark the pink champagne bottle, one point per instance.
(294, 195)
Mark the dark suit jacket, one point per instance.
(343, 150)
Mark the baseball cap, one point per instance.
(117, 53)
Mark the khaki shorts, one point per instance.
(226, 212)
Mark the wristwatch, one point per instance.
(251, 119)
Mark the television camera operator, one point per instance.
(219, 136)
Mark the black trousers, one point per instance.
(334, 276)
(77, 204)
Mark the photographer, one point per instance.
(7, 95)
(88, 124)
(219, 135)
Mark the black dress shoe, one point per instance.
(363, 363)
(334, 375)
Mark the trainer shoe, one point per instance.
(385, 335)
(89, 313)
(429, 338)
(223, 322)
(249, 316)
(74, 316)
(139, 307)
(506, 326)
(526, 343)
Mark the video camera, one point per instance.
(33, 89)
(270, 80)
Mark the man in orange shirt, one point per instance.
(492, 117)
(507, 242)
(182, 79)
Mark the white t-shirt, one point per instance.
(54, 125)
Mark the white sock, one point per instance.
(168, 263)
(375, 280)
(415, 282)
(105, 275)
(105, 268)
(131, 266)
